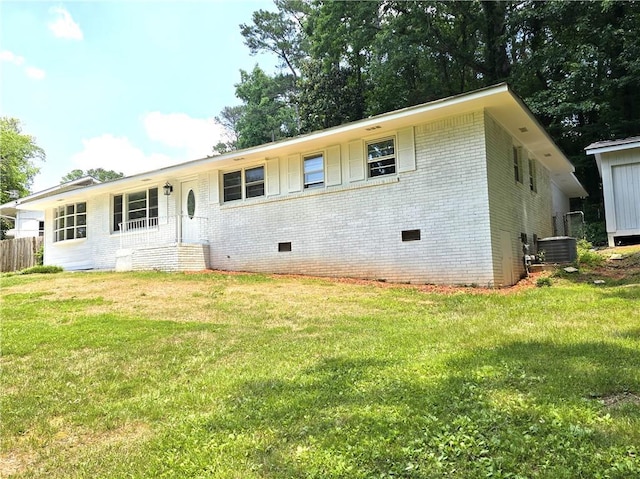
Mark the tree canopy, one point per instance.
(99, 174)
(18, 155)
(575, 64)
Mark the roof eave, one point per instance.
(498, 100)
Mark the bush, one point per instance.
(596, 233)
(587, 256)
(42, 269)
(40, 255)
(544, 281)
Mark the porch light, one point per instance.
(168, 188)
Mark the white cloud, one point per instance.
(35, 73)
(195, 136)
(64, 26)
(31, 72)
(7, 56)
(192, 138)
(117, 153)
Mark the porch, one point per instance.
(177, 243)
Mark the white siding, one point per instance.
(27, 224)
(621, 191)
(626, 196)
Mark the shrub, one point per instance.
(40, 255)
(42, 269)
(587, 256)
(544, 281)
(596, 232)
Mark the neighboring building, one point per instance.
(619, 166)
(444, 192)
(29, 223)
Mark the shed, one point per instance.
(619, 166)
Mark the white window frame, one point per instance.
(151, 213)
(69, 223)
(307, 184)
(380, 159)
(244, 184)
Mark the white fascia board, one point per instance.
(610, 148)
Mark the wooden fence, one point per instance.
(19, 253)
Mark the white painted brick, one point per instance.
(461, 195)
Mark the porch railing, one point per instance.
(158, 231)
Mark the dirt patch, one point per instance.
(617, 400)
(621, 263)
(523, 284)
(15, 462)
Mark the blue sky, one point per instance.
(128, 86)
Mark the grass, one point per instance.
(138, 375)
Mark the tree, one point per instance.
(279, 33)
(575, 65)
(228, 119)
(327, 97)
(341, 38)
(17, 169)
(17, 154)
(99, 174)
(267, 111)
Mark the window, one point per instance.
(381, 157)
(517, 164)
(314, 171)
(135, 210)
(40, 228)
(70, 222)
(232, 186)
(252, 179)
(533, 182)
(254, 182)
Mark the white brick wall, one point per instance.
(514, 207)
(353, 229)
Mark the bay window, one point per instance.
(70, 222)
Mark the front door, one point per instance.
(189, 212)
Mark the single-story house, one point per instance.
(619, 166)
(444, 192)
(30, 223)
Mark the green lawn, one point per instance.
(109, 375)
